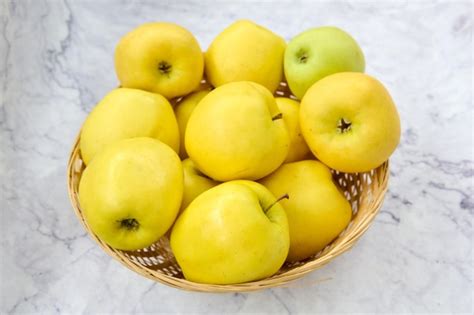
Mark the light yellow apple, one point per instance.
(317, 211)
(183, 111)
(236, 132)
(245, 51)
(350, 122)
(131, 192)
(232, 233)
(290, 109)
(164, 58)
(195, 183)
(128, 113)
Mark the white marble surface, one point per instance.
(56, 63)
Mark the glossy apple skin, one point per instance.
(235, 133)
(371, 129)
(245, 51)
(290, 109)
(317, 211)
(195, 183)
(163, 58)
(232, 233)
(131, 192)
(128, 113)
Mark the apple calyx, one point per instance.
(164, 67)
(129, 224)
(277, 116)
(302, 56)
(285, 196)
(343, 125)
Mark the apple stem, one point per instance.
(285, 196)
(277, 116)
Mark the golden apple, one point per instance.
(245, 51)
(350, 122)
(317, 211)
(195, 183)
(236, 132)
(183, 111)
(164, 58)
(232, 233)
(128, 113)
(298, 148)
(131, 192)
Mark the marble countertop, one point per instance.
(56, 62)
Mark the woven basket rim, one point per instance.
(341, 244)
(276, 280)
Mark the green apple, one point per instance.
(317, 211)
(131, 192)
(350, 122)
(183, 111)
(319, 52)
(298, 148)
(235, 232)
(237, 132)
(163, 58)
(195, 183)
(128, 113)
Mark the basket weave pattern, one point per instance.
(365, 192)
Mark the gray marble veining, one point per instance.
(56, 62)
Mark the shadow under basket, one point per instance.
(365, 192)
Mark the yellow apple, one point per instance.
(128, 113)
(232, 233)
(350, 122)
(131, 192)
(236, 132)
(298, 148)
(183, 111)
(317, 211)
(245, 51)
(159, 57)
(195, 183)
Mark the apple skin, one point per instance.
(127, 113)
(317, 53)
(183, 111)
(298, 148)
(317, 211)
(225, 237)
(195, 183)
(163, 58)
(131, 192)
(245, 51)
(236, 132)
(371, 129)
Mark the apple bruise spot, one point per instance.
(343, 126)
(164, 68)
(129, 224)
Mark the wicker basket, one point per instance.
(365, 192)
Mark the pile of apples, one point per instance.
(198, 144)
